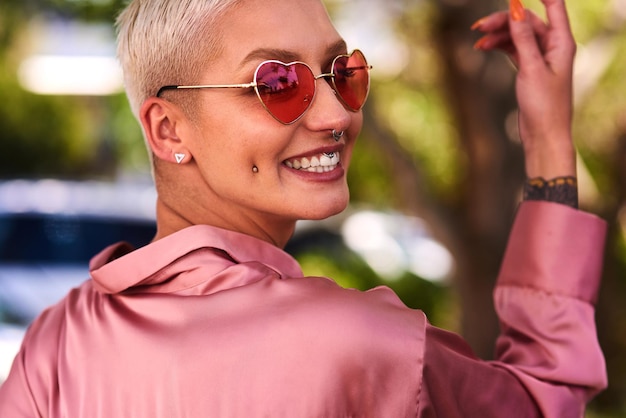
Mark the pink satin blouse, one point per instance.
(212, 323)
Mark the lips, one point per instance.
(320, 163)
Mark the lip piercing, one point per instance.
(337, 135)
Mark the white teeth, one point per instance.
(318, 164)
(329, 159)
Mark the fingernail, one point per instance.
(482, 42)
(478, 24)
(516, 8)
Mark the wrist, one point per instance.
(550, 159)
(563, 190)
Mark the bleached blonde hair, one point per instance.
(163, 42)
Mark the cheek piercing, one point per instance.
(179, 157)
(255, 169)
(337, 135)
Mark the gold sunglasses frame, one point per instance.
(254, 84)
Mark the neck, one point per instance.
(171, 218)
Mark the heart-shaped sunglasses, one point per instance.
(287, 90)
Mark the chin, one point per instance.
(325, 211)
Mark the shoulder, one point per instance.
(41, 341)
(349, 313)
(35, 369)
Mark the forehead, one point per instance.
(299, 29)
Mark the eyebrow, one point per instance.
(284, 55)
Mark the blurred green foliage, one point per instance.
(60, 136)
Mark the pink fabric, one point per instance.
(208, 322)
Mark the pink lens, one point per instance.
(286, 90)
(352, 79)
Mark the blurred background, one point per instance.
(435, 182)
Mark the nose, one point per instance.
(327, 110)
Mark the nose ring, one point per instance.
(337, 135)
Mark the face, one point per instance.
(234, 133)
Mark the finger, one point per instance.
(501, 38)
(540, 27)
(493, 22)
(495, 40)
(499, 21)
(502, 42)
(557, 15)
(523, 37)
(560, 40)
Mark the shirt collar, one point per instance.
(120, 267)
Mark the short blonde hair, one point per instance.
(161, 42)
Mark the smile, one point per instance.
(321, 163)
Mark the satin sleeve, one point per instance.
(545, 299)
(548, 359)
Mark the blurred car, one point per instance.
(49, 230)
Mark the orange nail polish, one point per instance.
(477, 24)
(481, 43)
(516, 8)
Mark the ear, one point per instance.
(163, 124)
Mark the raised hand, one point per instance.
(544, 53)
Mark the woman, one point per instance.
(251, 111)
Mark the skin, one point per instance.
(544, 54)
(215, 183)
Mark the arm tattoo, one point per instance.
(562, 190)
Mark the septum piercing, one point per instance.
(337, 135)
